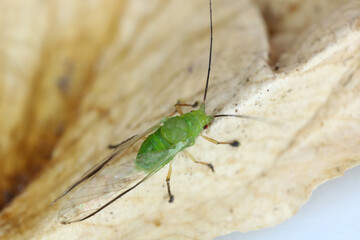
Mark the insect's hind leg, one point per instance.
(171, 197)
(203, 163)
(234, 143)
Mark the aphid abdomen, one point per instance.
(150, 151)
(165, 143)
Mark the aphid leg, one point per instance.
(178, 109)
(194, 105)
(171, 197)
(196, 161)
(234, 143)
(172, 114)
(179, 105)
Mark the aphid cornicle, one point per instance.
(104, 184)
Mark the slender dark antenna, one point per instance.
(248, 117)
(211, 41)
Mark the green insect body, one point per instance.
(176, 134)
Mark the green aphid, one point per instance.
(122, 171)
(176, 133)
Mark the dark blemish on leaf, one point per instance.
(157, 222)
(190, 69)
(7, 196)
(64, 81)
(60, 129)
(63, 84)
(293, 7)
(103, 112)
(317, 9)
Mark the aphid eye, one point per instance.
(205, 127)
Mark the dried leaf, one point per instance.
(86, 74)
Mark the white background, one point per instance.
(332, 213)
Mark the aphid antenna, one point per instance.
(208, 77)
(210, 54)
(248, 117)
